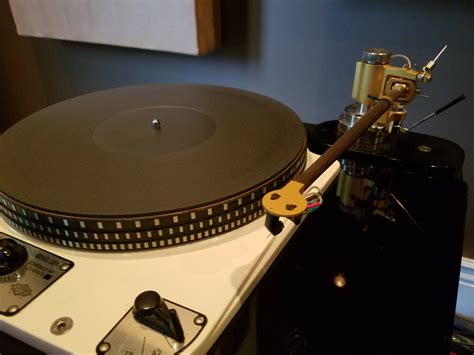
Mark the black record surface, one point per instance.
(98, 154)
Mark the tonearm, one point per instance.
(381, 91)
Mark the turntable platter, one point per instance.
(150, 159)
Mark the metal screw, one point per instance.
(199, 320)
(13, 309)
(424, 148)
(61, 325)
(104, 347)
(65, 267)
(12, 277)
(156, 125)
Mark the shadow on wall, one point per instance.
(241, 30)
(21, 86)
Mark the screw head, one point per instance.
(424, 148)
(65, 267)
(61, 325)
(199, 320)
(104, 347)
(156, 124)
(13, 309)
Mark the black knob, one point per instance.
(146, 303)
(12, 256)
(150, 310)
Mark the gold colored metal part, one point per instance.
(397, 115)
(373, 81)
(409, 93)
(432, 63)
(370, 81)
(287, 201)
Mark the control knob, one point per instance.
(12, 256)
(150, 310)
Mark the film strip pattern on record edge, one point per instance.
(145, 232)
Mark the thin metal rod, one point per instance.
(438, 111)
(407, 213)
(441, 52)
(421, 121)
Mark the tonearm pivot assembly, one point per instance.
(381, 91)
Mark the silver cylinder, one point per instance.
(377, 56)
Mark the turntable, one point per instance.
(160, 219)
(139, 200)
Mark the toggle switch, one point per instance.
(150, 310)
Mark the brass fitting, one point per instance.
(374, 76)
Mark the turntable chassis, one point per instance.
(215, 277)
